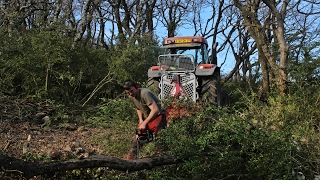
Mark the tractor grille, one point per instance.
(187, 80)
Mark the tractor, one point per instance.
(186, 69)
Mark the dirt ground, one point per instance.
(26, 129)
(48, 142)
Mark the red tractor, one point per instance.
(185, 69)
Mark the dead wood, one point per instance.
(30, 169)
(7, 145)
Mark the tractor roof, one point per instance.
(184, 40)
(181, 45)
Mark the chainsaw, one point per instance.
(143, 136)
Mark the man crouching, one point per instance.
(148, 106)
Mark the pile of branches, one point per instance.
(16, 110)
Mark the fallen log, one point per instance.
(30, 169)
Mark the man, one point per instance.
(148, 106)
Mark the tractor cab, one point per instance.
(185, 52)
(185, 69)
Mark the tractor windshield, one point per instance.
(197, 51)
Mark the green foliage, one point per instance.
(304, 63)
(117, 117)
(113, 109)
(241, 145)
(206, 143)
(34, 157)
(236, 93)
(88, 173)
(217, 143)
(305, 73)
(46, 65)
(116, 139)
(281, 123)
(129, 60)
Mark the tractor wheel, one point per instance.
(224, 97)
(153, 85)
(210, 91)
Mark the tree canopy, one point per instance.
(68, 39)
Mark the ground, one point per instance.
(50, 142)
(27, 128)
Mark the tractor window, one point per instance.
(173, 51)
(199, 52)
(199, 56)
(204, 54)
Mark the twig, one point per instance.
(6, 146)
(99, 86)
(5, 170)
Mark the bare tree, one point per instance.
(265, 23)
(224, 23)
(174, 14)
(20, 15)
(57, 10)
(306, 30)
(86, 13)
(102, 21)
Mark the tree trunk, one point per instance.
(30, 169)
(265, 75)
(279, 31)
(260, 35)
(84, 21)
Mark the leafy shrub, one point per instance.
(118, 109)
(269, 141)
(118, 119)
(46, 65)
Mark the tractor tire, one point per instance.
(210, 90)
(224, 97)
(153, 85)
